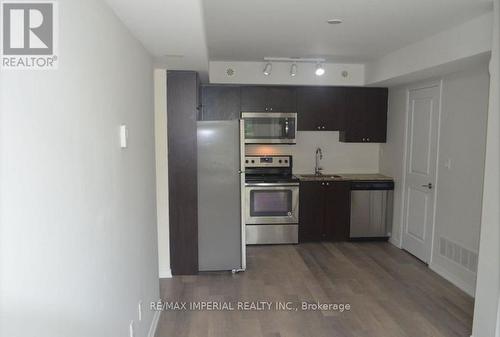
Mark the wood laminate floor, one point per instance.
(390, 292)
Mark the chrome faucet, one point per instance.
(319, 156)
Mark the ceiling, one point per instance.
(243, 30)
(186, 34)
(171, 30)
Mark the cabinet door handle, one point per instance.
(323, 127)
(327, 184)
(319, 127)
(270, 109)
(429, 186)
(368, 139)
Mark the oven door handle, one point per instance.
(271, 184)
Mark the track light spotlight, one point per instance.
(320, 71)
(293, 70)
(267, 69)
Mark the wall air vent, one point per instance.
(458, 254)
(230, 72)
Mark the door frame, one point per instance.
(421, 85)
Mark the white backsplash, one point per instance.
(337, 157)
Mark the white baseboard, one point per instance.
(154, 324)
(167, 273)
(469, 289)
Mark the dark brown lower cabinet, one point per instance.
(324, 211)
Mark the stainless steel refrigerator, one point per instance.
(221, 181)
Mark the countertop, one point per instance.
(344, 177)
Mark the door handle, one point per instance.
(429, 186)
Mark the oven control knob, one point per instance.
(289, 213)
(253, 161)
(286, 160)
(279, 161)
(246, 161)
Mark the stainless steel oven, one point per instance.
(271, 200)
(272, 203)
(270, 127)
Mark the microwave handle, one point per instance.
(287, 129)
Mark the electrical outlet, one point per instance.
(131, 329)
(139, 311)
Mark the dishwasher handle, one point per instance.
(372, 185)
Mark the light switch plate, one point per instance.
(123, 136)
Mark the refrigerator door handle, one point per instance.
(242, 196)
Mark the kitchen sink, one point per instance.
(321, 176)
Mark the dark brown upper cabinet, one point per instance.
(366, 116)
(220, 102)
(359, 113)
(325, 209)
(268, 99)
(321, 108)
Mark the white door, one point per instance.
(420, 174)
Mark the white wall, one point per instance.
(252, 73)
(392, 153)
(487, 305)
(160, 87)
(77, 213)
(459, 189)
(433, 54)
(337, 157)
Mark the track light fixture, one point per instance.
(320, 71)
(268, 68)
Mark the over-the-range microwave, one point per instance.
(270, 127)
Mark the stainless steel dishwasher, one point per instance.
(371, 209)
